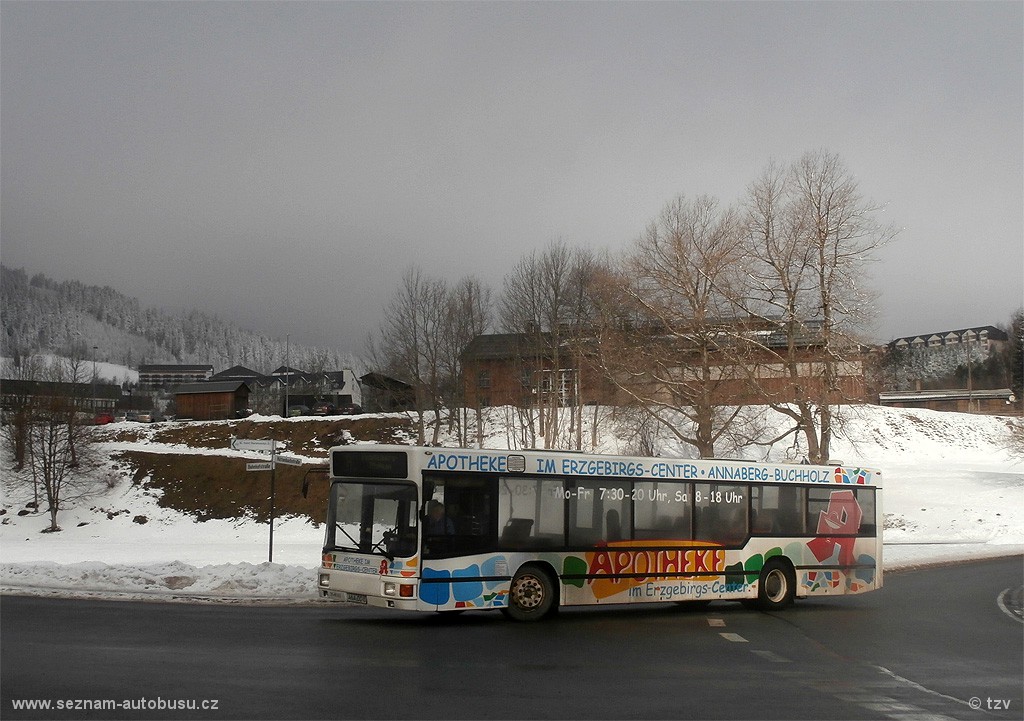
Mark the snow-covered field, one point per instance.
(953, 490)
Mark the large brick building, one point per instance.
(508, 369)
(526, 370)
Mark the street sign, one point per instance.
(288, 460)
(244, 444)
(267, 446)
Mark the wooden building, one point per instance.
(212, 400)
(384, 394)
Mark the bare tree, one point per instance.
(17, 408)
(58, 450)
(811, 234)
(468, 315)
(1016, 360)
(671, 349)
(545, 299)
(410, 346)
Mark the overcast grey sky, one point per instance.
(281, 165)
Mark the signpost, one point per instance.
(263, 446)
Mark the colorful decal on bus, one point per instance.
(447, 586)
(716, 578)
(859, 476)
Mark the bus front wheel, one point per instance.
(531, 595)
(776, 587)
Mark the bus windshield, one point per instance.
(373, 518)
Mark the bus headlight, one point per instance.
(325, 579)
(402, 590)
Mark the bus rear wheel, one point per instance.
(531, 595)
(776, 587)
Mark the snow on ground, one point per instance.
(952, 491)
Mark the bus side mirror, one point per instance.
(321, 470)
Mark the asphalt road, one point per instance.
(934, 644)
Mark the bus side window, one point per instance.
(468, 504)
(789, 519)
(661, 510)
(599, 511)
(777, 510)
(866, 501)
(722, 514)
(541, 501)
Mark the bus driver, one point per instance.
(437, 523)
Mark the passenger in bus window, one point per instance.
(613, 528)
(438, 524)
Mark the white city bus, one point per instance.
(529, 531)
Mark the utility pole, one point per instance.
(968, 337)
(273, 475)
(287, 372)
(94, 410)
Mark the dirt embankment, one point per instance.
(213, 486)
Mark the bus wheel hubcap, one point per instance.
(528, 592)
(775, 585)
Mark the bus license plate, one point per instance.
(355, 598)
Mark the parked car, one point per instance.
(350, 409)
(295, 411)
(132, 416)
(120, 416)
(323, 409)
(103, 419)
(145, 417)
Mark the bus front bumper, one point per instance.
(384, 592)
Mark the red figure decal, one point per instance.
(843, 516)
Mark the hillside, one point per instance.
(68, 318)
(192, 470)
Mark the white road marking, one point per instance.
(734, 637)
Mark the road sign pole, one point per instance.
(273, 472)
